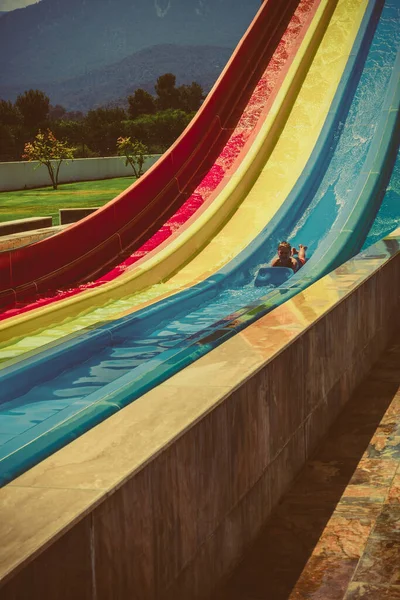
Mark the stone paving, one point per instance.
(336, 533)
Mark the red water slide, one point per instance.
(92, 246)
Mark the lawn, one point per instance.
(44, 202)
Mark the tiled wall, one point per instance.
(176, 526)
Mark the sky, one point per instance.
(12, 4)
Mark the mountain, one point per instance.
(114, 83)
(57, 41)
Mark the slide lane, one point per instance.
(278, 176)
(209, 194)
(388, 216)
(90, 247)
(54, 412)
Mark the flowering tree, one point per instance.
(48, 151)
(135, 153)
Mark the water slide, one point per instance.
(278, 134)
(90, 247)
(213, 198)
(111, 365)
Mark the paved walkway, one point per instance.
(336, 534)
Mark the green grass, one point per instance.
(44, 202)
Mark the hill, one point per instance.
(57, 41)
(115, 82)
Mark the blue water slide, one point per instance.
(388, 216)
(56, 395)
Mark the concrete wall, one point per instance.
(28, 224)
(71, 215)
(24, 175)
(17, 240)
(161, 500)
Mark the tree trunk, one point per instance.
(51, 173)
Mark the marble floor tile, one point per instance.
(371, 480)
(388, 523)
(390, 423)
(344, 537)
(380, 562)
(384, 447)
(360, 507)
(366, 591)
(374, 472)
(394, 492)
(324, 578)
(389, 427)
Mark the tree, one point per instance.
(141, 103)
(168, 126)
(47, 150)
(10, 131)
(8, 143)
(135, 153)
(75, 132)
(74, 115)
(56, 112)
(104, 114)
(168, 94)
(34, 107)
(190, 97)
(158, 131)
(140, 129)
(9, 114)
(185, 97)
(103, 127)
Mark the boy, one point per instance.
(286, 254)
